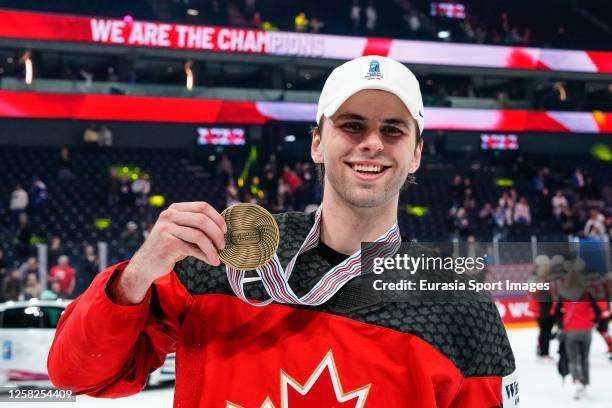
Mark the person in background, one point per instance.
(576, 313)
(64, 165)
(11, 287)
(19, 202)
(65, 275)
(559, 204)
(112, 186)
(540, 305)
(595, 227)
(371, 16)
(3, 266)
(38, 193)
(356, 15)
(55, 250)
(130, 238)
(31, 287)
(28, 267)
(225, 170)
(141, 188)
(87, 270)
(91, 136)
(54, 292)
(301, 22)
(22, 237)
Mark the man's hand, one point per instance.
(184, 229)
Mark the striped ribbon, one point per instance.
(275, 279)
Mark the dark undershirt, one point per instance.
(332, 256)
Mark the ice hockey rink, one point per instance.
(540, 385)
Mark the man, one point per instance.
(174, 296)
(65, 275)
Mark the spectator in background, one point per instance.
(11, 287)
(455, 191)
(356, 16)
(3, 265)
(141, 187)
(55, 250)
(576, 313)
(301, 22)
(371, 16)
(413, 21)
(31, 287)
(595, 227)
(256, 20)
(38, 193)
(522, 212)
(316, 25)
(22, 237)
(249, 6)
(545, 205)
(64, 165)
(65, 275)
(91, 136)
(591, 189)
(125, 191)
(106, 137)
(559, 204)
(112, 186)
(578, 181)
(231, 194)
(225, 170)
(87, 269)
(28, 267)
(19, 201)
(130, 238)
(54, 292)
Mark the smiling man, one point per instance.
(343, 347)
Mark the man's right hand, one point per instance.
(184, 229)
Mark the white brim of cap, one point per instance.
(332, 107)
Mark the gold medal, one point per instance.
(252, 236)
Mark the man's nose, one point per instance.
(372, 142)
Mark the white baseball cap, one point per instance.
(371, 72)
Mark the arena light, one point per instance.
(102, 223)
(502, 182)
(189, 75)
(601, 152)
(29, 68)
(443, 34)
(290, 138)
(157, 200)
(193, 12)
(417, 210)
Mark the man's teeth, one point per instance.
(367, 168)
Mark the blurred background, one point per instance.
(112, 110)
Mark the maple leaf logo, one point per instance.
(323, 389)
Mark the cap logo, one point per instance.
(374, 70)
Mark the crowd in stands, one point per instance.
(576, 207)
(579, 25)
(541, 198)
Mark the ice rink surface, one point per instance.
(540, 385)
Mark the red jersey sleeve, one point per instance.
(107, 350)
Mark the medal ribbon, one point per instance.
(275, 279)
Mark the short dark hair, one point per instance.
(411, 179)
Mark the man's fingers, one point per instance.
(204, 208)
(193, 250)
(203, 223)
(197, 237)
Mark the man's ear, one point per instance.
(416, 158)
(316, 148)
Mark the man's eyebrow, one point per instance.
(395, 121)
(353, 116)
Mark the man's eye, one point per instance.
(352, 126)
(391, 130)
